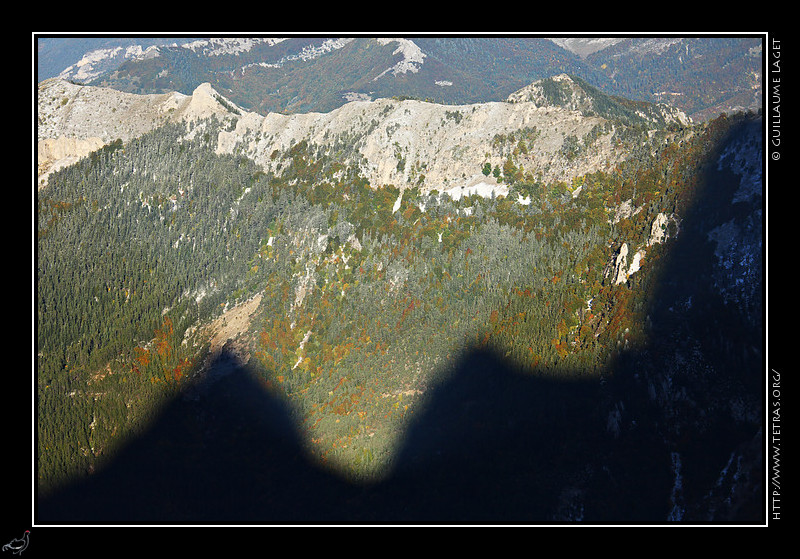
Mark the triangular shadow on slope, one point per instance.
(223, 451)
(497, 446)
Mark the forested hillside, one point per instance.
(702, 76)
(369, 296)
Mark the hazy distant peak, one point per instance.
(97, 61)
(412, 57)
(229, 45)
(584, 46)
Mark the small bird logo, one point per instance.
(18, 545)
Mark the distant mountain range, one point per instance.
(702, 76)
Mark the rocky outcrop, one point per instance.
(53, 154)
(622, 270)
(662, 228)
(621, 265)
(74, 120)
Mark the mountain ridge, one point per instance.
(406, 143)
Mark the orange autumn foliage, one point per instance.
(163, 336)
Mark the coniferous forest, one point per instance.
(369, 296)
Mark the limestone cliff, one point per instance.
(404, 143)
(74, 120)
